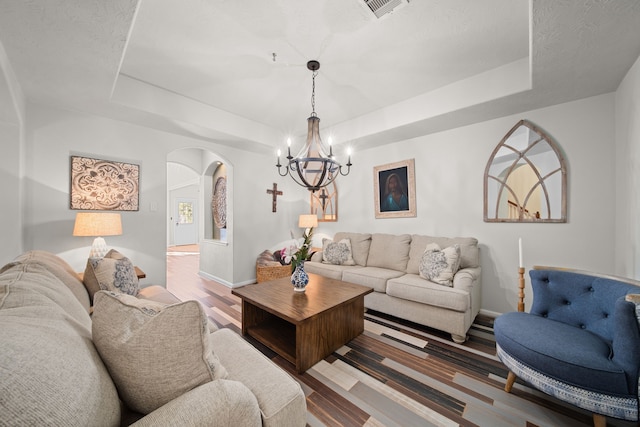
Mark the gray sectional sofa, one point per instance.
(53, 368)
(390, 264)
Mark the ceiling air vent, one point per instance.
(382, 8)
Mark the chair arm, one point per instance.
(626, 342)
(216, 403)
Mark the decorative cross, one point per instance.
(275, 193)
(324, 198)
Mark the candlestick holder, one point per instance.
(521, 289)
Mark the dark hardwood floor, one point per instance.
(396, 373)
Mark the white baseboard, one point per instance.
(489, 313)
(224, 282)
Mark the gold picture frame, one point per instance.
(394, 189)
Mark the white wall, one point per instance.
(449, 185)
(11, 170)
(627, 107)
(449, 190)
(54, 134)
(10, 183)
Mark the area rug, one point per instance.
(401, 374)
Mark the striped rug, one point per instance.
(402, 374)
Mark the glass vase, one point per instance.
(299, 278)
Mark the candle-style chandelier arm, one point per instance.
(286, 170)
(348, 165)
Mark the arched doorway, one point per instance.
(197, 192)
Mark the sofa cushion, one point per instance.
(414, 288)
(360, 244)
(389, 251)
(158, 293)
(154, 352)
(440, 265)
(59, 268)
(51, 372)
(469, 252)
(328, 270)
(114, 272)
(281, 400)
(540, 342)
(372, 277)
(46, 284)
(337, 252)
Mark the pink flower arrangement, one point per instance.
(295, 254)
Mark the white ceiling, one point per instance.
(206, 68)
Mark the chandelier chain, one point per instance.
(313, 94)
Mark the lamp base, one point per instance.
(99, 248)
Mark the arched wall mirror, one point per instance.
(526, 178)
(324, 203)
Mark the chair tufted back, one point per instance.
(581, 300)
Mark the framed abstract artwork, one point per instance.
(395, 189)
(104, 185)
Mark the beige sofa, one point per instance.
(52, 372)
(390, 265)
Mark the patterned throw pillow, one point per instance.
(154, 352)
(337, 253)
(440, 265)
(114, 272)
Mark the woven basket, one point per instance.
(266, 273)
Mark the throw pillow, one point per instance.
(278, 256)
(114, 272)
(389, 251)
(266, 258)
(440, 265)
(337, 253)
(153, 351)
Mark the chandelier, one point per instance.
(312, 167)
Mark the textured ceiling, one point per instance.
(206, 68)
(221, 53)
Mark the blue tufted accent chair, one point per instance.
(580, 342)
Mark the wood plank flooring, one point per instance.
(396, 373)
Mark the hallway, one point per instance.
(185, 283)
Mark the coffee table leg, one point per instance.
(320, 336)
(251, 316)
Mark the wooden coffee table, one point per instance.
(303, 327)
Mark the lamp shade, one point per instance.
(308, 221)
(97, 224)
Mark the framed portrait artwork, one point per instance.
(395, 189)
(103, 185)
